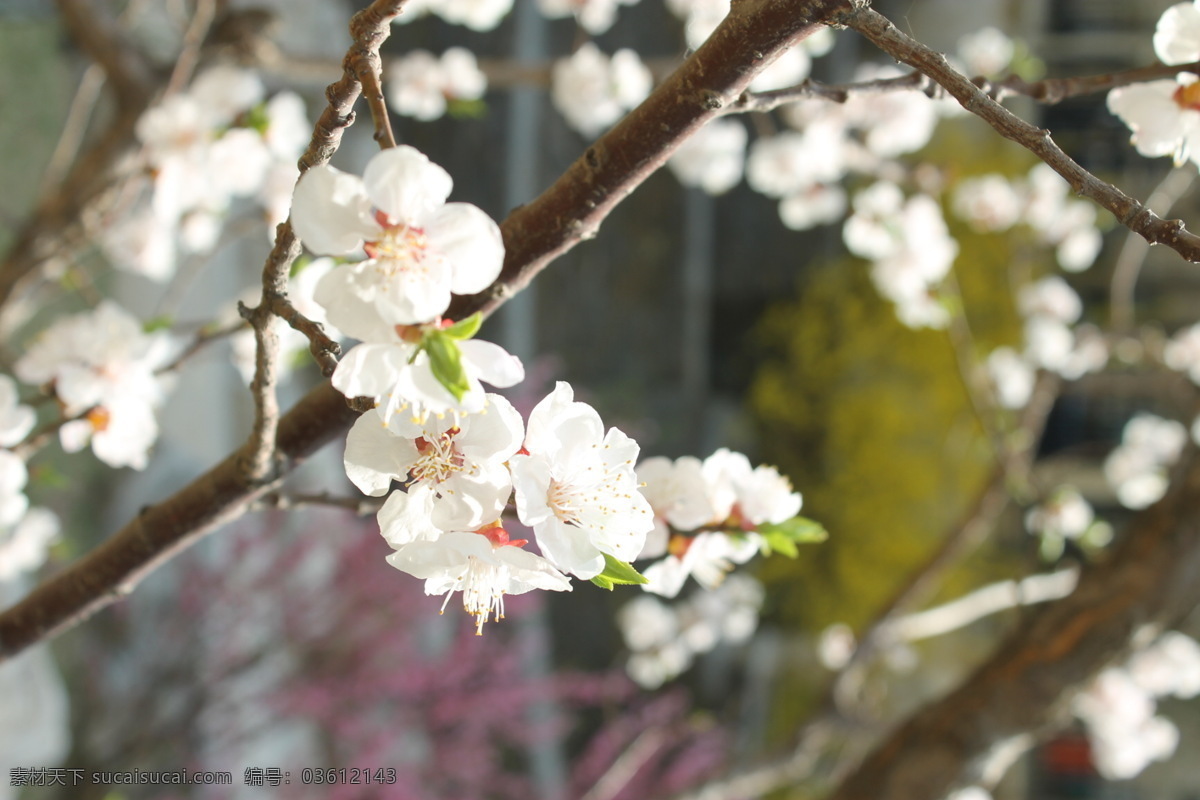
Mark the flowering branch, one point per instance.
(369, 29)
(568, 212)
(1129, 212)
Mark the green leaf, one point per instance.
(464, 328)
(777, 542)
(299, 264)
(618, 572)
(783, 537)
(257, 118)
(466, 109)
(445, 361)
(159, 323)
(800, 530)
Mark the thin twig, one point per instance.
(1135, 249)
(369, 29)
(128, 72)
(1129, 212)
(279, 501)
(193, 43)
(203, 337)
(372, 83)
(1054, 90)
(74, 127)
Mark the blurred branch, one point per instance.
(128, 72)
(1148, 580)
(973, 527)
(1129, 212)
(279, 501)
(983, 602)
(567, 213)
(193, 41)
(1135, 249)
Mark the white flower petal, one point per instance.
(331, 213)
(470, 241)
(406, 185)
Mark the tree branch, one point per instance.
(1150, 579)
(1129, 212)
(369, 29)
(571, 210)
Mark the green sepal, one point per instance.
(159, 323)
(783, 537)
(445, 361)
(464, 328)
(257, 119)
(618, 572)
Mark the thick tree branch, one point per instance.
(567, 213)
(1129, 212)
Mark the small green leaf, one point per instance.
(618, 572)
(800, 530)
(258, 119)
(777, 542)
(159, 323)
(299, 264)
(464, 328)
(466, 109)
(445, 361)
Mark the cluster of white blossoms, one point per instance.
(1137, 469)
(25, 533)
(103, 369)
(217, 141)
(419, 250)
(1066, 515)
(665, 639)
(594, 16)
(592, 90)
(707, 515)
(1042, 201)
(1119, 707)
(1164, 115)
(1053, 341)
(478, 15)
(464, 457)
(910, 248)
(422, 85)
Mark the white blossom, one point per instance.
(576, 487)
(593, 90)
(713, 158)
(987, 51)
(420, 84)
(16, 419)
(102, 363)
(595, 16)
(1177, 34)
(420, 248)
(481, 565)
(462, 459)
